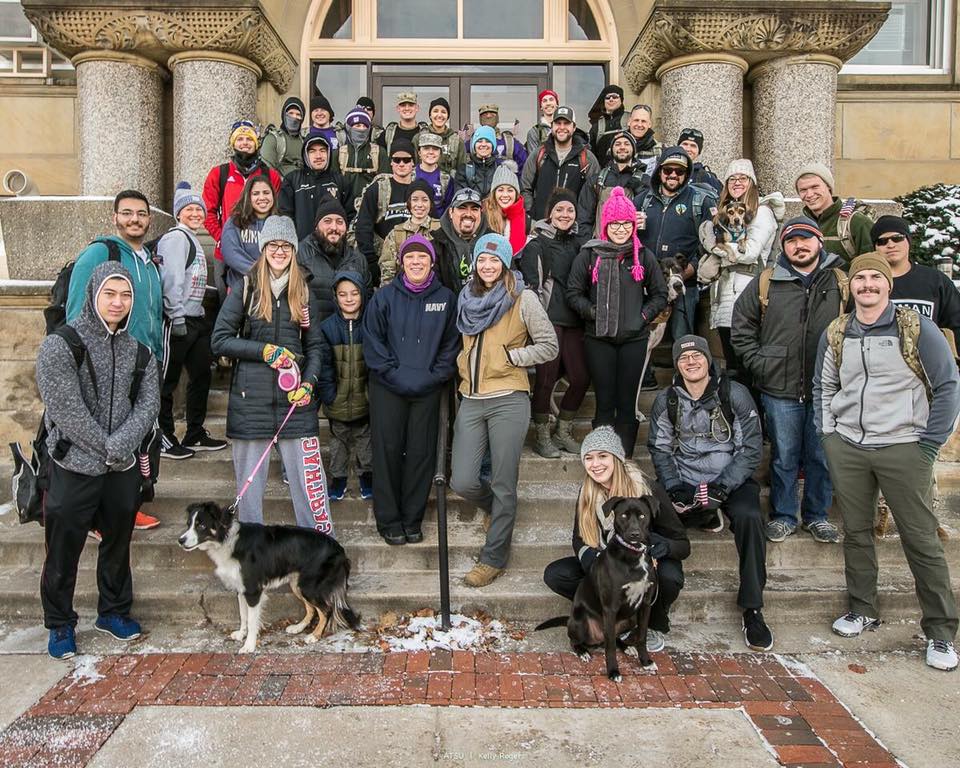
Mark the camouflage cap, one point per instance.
(406, 97)
(489, 108)
(427, 139)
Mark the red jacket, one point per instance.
(220, 202)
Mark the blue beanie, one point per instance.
(183, 196)
(496, 244)
(484, 132)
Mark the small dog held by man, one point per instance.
(252, 559)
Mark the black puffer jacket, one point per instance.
(478, 174)
(321, 270)
(257, 405)
(553, 256)
(638, 303)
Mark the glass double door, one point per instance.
(515, 94)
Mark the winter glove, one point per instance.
(277, 357)
(179, 328)
(716, 496)
(930, 451)
(302, 395)
(683, 498)
(659, 550)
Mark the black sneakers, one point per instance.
(756, 633)
(203, 442)
(170, 448)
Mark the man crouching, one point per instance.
(101, 391)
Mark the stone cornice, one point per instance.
(753, 30)
(156, 30)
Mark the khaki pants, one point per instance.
(905, 477)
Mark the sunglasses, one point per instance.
(890, 239)
(673, 172)
(401, 160)
(610, 96)
(692, 133)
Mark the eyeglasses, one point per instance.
(890, 239)
(279, 248)
(738, 179)
(401, 160)
(620, 226)
(679, 172)
(128, 214)
(691, 357)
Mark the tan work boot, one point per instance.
(544, 446)
(563, 435)
(481, 574)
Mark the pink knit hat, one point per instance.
(619, 207)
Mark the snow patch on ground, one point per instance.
(5, 509)
(424, 633)
(85, 670)
(796, 667)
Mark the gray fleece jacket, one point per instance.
(99, 426)
(875, 399)
(183, 288)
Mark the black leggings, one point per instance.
(572, 362)
(564, 576)
(615, 370)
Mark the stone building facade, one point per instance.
(122, 94)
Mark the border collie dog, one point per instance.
(252, 559)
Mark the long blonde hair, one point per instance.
(494, 213)
(297, 291)
(627, 481)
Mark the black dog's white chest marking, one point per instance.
(635, 590)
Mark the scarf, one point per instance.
(477, 313)
(245, 162)
(516, 216)
(606, 272)
(278, 284)
(413, 287)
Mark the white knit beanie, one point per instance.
(741, 167)
(504, 176)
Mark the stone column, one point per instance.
(211, 91)
(119, 101)
(794, 117)
(705, 91)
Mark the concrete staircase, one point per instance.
(805, 579)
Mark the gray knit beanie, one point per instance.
(278, 228)
(603, 439)
(691, 343)
(504, 176)
(183, 196)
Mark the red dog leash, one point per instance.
(263, 458)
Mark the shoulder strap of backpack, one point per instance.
(444, 183)
(383, 195)
(763, 290)
(246, 297)
(835, 333)
(908, 325)
(584, 163)
(508, 145)
(844, 226)
(113, 250)
(541, 153)
(723, 391)
(843, 283)
(673, 405)
(140, 368)
(602, 177)
(69, 334)
(343, 157)
(388, 133)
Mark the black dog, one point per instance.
(617, 593)
(253, 558)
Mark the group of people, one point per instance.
(364, 273)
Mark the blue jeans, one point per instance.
(794, 442)
(683, 318)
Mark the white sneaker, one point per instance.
(941, 655)
(656, 641)
(852, 624)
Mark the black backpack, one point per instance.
(55, 313)
(723, 393)
(31, 476)
(151, 246)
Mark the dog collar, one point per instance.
(639, 550)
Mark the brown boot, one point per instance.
(563, 436)
(481, 575)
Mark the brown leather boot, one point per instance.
(481, 575)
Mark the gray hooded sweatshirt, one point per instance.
(99, 423)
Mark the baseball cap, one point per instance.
(427, 139)
(406, 97)
(565, 113)
(488, 108)
(465, 196)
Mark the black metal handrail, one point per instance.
(440, 483)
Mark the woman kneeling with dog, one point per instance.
(609, 474)
(264, 324)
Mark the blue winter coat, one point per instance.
(343, 374)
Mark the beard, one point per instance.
(328, 248)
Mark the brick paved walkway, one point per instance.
(800, 718)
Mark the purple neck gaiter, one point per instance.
(414, 288)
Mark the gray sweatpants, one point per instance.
(304, 469)
(345, 435)
(501, 423)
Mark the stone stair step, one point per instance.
(534, 546)
(795, 597)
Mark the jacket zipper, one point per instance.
(113, 379)
(351, 366)
(863, 391)
(803, 340)
(476, 363)
(276, 338)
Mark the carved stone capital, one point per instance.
(751, 29)
(157, 30)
